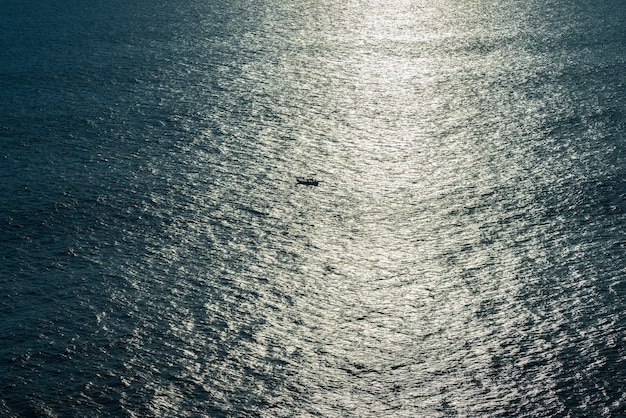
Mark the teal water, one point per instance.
(463, 255)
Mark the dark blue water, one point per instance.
(463, 255)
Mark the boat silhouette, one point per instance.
(307, 182)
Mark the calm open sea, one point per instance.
(463, 255)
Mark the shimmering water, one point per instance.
(463, 255)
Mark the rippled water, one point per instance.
(463, 255)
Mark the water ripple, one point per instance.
(462, 254)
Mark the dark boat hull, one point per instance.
(308, 182)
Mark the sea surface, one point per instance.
(463, 255)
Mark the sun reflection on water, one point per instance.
(461, 255)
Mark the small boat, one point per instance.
(307, 182)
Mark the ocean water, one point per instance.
(464, 254)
